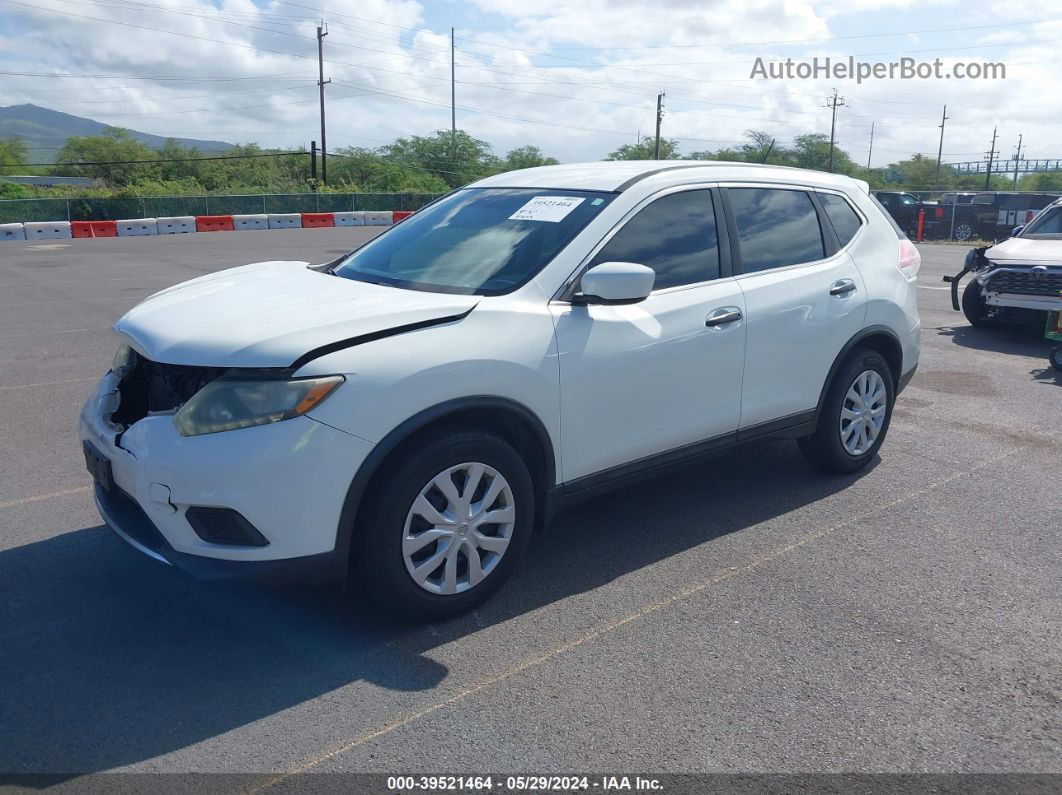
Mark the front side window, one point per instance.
(1047, 227)
(844, 219)
(476, 241)
(775, 228)
(675, 236)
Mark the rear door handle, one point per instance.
(720, 317)
(842, 287)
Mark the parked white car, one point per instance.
(1017, 279)
(414, 409)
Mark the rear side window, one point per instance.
(675, 236)
(888, 217)
(844, 219)
(775, 228)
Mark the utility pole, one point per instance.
(313, 164)
(321, 33)
(870, 151)
(1017, 157)
(832, 103)
(453, 95)
(659, 118)
(940, 148)
(991, 158)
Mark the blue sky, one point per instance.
(576, 80)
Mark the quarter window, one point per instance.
(675, 236)
(775, 228)
(844, 219)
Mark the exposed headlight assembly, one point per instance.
(230, 403)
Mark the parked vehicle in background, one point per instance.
(903, 207)
(411, 411)
(991, 216)
(1018, 280)
(939, 214)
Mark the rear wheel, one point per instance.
(964, 230)
(973, 304)
(855, 415)
(1056, 357)
(445, 525)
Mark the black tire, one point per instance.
(973, 304)
(378, 568)
(824, 448)
(1056, 357)
(964, 231)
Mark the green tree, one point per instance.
(362, 170)
(761, 147)
(645, 148)
(12, 154)
(813, 151)
(526, 157)
(116, 155)
(1043, 182)
(456, 159)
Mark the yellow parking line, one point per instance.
(604, 630)
(42, 497)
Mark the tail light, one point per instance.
(909, 260)
(939, 212)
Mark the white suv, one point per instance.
(413, 410)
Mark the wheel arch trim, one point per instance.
(862, 336)
(421, 420)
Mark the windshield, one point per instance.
(1047, 226)
(476, 241)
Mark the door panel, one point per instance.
(803, 302)
(648, 377)
(796, 328)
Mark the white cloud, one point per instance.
(540, 62)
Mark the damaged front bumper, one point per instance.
(1025, 287)
(287, 481)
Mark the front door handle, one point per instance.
(720, 317)
(842, 287)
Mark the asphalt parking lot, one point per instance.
(746, 615)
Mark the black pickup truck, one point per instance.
(991, 216)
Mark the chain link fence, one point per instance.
(972, 216)
(114, 209)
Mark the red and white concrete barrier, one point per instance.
(181, 224)
(176, 225)
(245, 222)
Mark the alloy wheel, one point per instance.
(863, 412)
(458, 528)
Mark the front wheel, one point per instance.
(854, 416)
(445, 525)
(1056, 357)
(973, 304)
(964, 231)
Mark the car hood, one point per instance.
(272, 313)
(1019, 250)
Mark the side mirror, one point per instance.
(1016, 230)
(615, 283)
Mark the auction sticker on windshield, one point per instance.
(546, 208)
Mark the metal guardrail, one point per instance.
(114, 209)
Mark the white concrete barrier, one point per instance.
(285, 220)
(378, 219)
(47, 230)
(12, 232)
(137, 227)
(176, 225)
(259, 221)
(349, 219)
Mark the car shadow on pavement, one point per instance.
(108, 658)
(1017, 340)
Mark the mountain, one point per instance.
(42, 127)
